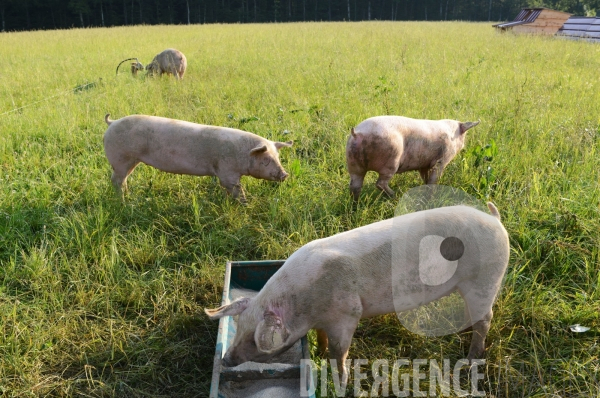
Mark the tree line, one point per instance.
(60, 14)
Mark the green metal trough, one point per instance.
(281, 377)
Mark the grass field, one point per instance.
(101, 299)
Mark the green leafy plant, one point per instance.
(482, 158)
(383, 90)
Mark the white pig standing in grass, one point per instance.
(331, 283)
(395, 144)
(181, 147)
(170, 61)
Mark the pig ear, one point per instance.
(235, 308)
(271, 334)
(280, 145)
(467, 125)
(258, 149)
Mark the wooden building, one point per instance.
(586, 28)
(536, 21)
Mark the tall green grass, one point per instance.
(100, 298)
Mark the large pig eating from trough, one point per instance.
(389, 266)
(181, 147)
(170, 61)
(395, 144)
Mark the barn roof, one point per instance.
(527, 15)
(530, 15)
(581, 28)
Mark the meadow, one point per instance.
(100, 298)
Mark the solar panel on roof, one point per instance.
(577, 26)
(580, 20)
(520, 16)
(532, 17)
(581, 27)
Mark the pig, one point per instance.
(330, 284)
(170, 61)
(394, 144)
(181, 147)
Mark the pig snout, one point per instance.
(278, 174)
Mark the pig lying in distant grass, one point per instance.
(180, 147)
(170, 61)
(389, 266)
(395, 144)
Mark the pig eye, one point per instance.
(438, 258)
(266, 162)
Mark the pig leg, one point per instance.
(424, 174)
(340, 338)
(119, 183)
(120, 173)
(173, 71)
(338, 350)
(383, 181)
(176, 73)
(322, 342)
(481, 309)
(356, 182)
(480, 331)
(436, 172)
(233, 187)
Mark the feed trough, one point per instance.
(280, 377)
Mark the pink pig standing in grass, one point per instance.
(181, 147)
(393, 265)
(394, 144)
(170, 61)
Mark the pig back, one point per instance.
(172, 57)
(378, 261)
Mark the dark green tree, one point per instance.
(81, 8)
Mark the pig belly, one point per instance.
(412, 165)
(429, 294)
(385, 302)
(177, 163)
(378, 301)
(380, 308)
(420, 153)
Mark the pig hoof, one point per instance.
(388, 192)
